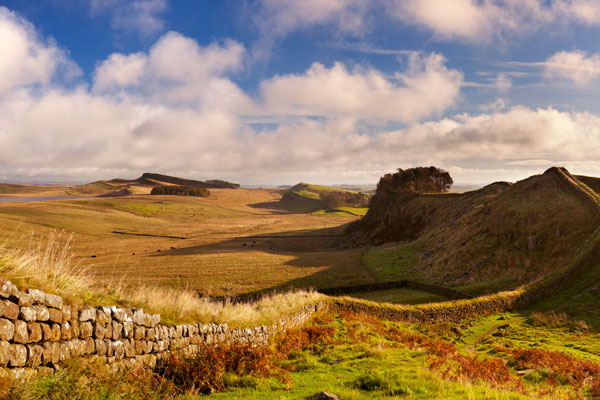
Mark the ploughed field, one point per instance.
(234, 241)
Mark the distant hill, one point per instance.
(498, 237)
(308, 198)
(143, 185)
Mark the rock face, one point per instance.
(37, 329)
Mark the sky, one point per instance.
(269, 92)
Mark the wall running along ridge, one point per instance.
(587, 256)
(38, 331)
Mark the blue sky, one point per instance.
(278, 91)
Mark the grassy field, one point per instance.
(227, 243)
(505, 356)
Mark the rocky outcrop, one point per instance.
(37, 330)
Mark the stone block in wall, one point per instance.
(21, 333)
(100, 347)
(75, 328)
(139, 332)
(127, 329)
(51, 354)
(18, 355)
(66, 333)
(27, 314)
(117, 329)
(7, 329)
(34, 355)
(137, 316)
(98, 332)
(41, 313)
(87, 314)
(67, 313)
(86, 329)
(150, 334)
(110, 350)
(118, 349)
(78, 347)
(34, 331)
(108, 331)
(138, 346)
(89, 346)
(147, 320)
(100, 317)
(118, 314)
(56, 333)
(11, 310)
(155, 320)
(64, 351)
(55, 315)
(4, 353)
(106, 310)
(37, 296)
(46, 332)
(53, 301)
(129, 347)
(22, 299)
(5, 288)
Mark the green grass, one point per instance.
(308, 194)
(400, 296)
(355, 210)
(392, 263)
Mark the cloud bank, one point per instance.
(176, 109)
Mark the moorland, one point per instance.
(533, 244)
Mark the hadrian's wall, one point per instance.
(38, 330)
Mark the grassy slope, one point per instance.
(491, 239)
(305, 198)
(215, 258)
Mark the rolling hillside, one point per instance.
(309, 198)
(495, 238)
(143, 185)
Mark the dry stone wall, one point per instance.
(37, 330)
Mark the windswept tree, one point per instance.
(419, 180)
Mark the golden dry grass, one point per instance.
(47, 264)
(221, 253)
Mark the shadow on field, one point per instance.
(319, 250)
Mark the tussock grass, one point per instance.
(186, 306)
(44, 264)
(47, 264)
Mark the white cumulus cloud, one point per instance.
(480, 21)
(25, 58)
(425, 88)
